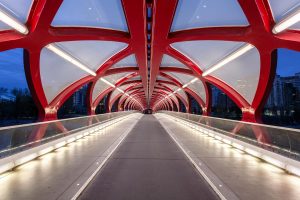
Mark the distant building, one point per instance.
(195, 107)
(79, 97)
(276, 95)
(284, 98)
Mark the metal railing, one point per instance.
(15, 139)
(281, 140)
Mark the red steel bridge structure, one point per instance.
(149, 38)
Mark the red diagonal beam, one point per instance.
(135, 12)
(163, 12)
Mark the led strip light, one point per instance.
(58, 51)
(242, 50)
(287, 22)
(11, 21)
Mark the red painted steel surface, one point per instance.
(150, 92)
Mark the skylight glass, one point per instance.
(168, 61)
(281, 9)
(57, 73)
(182, 78)
(129, 61)
(207, 52)
(172, 87)
(114, 94)
(208, 13)
(98, 89)
(242, 74)
(90, 13)
(116, 77)
(183, 95)
(161, 78)
(18, 9)
(92, 53)
(199, 89)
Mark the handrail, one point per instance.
(284, 141)
(15, 139)
(57, 120)
(243, 122)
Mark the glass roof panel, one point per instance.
(207, 52)
(122, 98)
(98, 89)
(129, 61)
(208, 13)
(114, 94)
(90, 13)
(136, 78)
(57, 73)
(244, 74)
(18, 9)
(174, 99)
(115, 77)
(282, 9)
(168, 61)
(124, 87)
(182, 78)
(172, 87)
(161, 78)
(199, 89)
(92, 53)
(183, 95)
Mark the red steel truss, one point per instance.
(149, 52)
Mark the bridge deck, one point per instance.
(148, 165)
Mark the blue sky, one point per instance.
(288, 62)
(12, 70)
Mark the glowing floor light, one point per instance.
(11, 21)
(55, 49)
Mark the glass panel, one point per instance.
(161, 78)
(206, 53)
(174, 99)
(208, 13)
(122, 98)
(115, 77)
(137, 78)
(16, 103)
(114, 94)
(75, 105)
(183, 95)
(182, 78)
(282, 9)
(199, 89)
(124, 87)
(99, 88)
(15, 139)
(57, 73)
(283, 105)
(92, 53)
(129, 61)
(18, 9)
(244, 74)
(173, 87)
(168, 61)
(283, 141)
(222, 106)
(90, 13)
